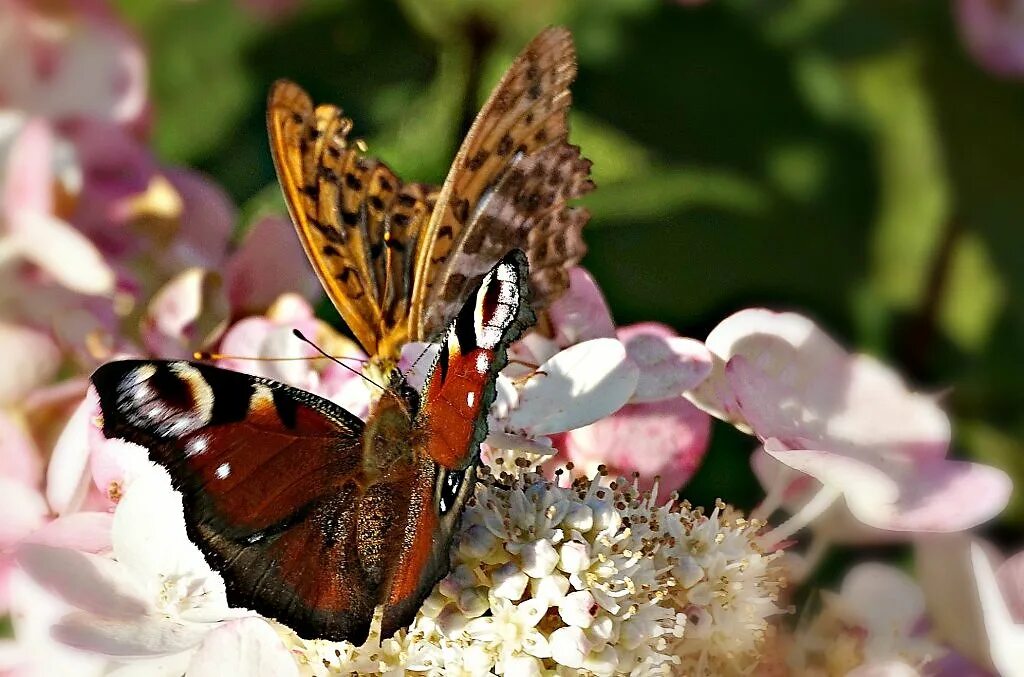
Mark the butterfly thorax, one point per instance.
(390, 439)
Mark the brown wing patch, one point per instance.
(513, 175)
(356, 219)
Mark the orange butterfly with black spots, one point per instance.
(398, 259)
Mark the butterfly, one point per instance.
(312, 516)
(397, 259)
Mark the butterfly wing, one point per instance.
(508, 188)
(269, 476)
(356, 219)
(451, 423)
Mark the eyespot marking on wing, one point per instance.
(169, 402)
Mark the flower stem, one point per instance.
(821, 502)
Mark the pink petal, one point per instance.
(578, 386)
(943, 567)
(884, 669)
(244, 647)
(582, 313)
(31, 358)
(188, 313)
(669, 364)
(23, 510)
(28, 185)
(994, 33)
(63, 252)
(206, 222)
(115, 463)
(86, 581)
(1006, 638)
(934, 495)
(667, 439)
(19, 459)
(67, 478)
(141, 637)
(75, 63)
(885, 601)
(772, 341)
(863, 407)
(269, 263)
(1011, 582)
(83, 531)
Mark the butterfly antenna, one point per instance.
(417, 360)
(299, 335)
(205, 355)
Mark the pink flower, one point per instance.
(271, 336)
(993, 31)
(74, 60)
(870, 627)
(269, 262)
(846, 421)
(657, 432)
(976, 600)
(187, 314)
(31, 227)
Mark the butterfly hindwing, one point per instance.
(509, 187)
(451, 423)
(270, 479)
(357, 221)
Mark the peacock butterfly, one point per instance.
(312, 516)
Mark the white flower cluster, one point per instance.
(593, 577)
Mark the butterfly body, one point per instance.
(312, 516)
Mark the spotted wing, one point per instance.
(509, 187)
(452, 422)
(270, 478)
(356, 219)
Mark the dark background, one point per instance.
(846, 159)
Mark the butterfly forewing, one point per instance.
(270, 478)
(357, 221)
(508, 188)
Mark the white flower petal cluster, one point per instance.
(593, 577)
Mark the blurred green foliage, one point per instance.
(840, 157)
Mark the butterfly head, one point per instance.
(404, 392)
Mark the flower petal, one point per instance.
(83, 531)
(206, 221)
(149, 535)
(937, 495)
(31, 358)
(994, 35)
(667, 439)
(1006, 638)
(772, 341)
(62, 251)
(269, 263)
(669, 364)
(188, 313)
(86, 581)
(581, 313)
(883, 600)
(859, 406)
(19, 458)
(67, 478)
(247, 646)
(943, 566)
(129, 638)
(577, 386)
(23, 510)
